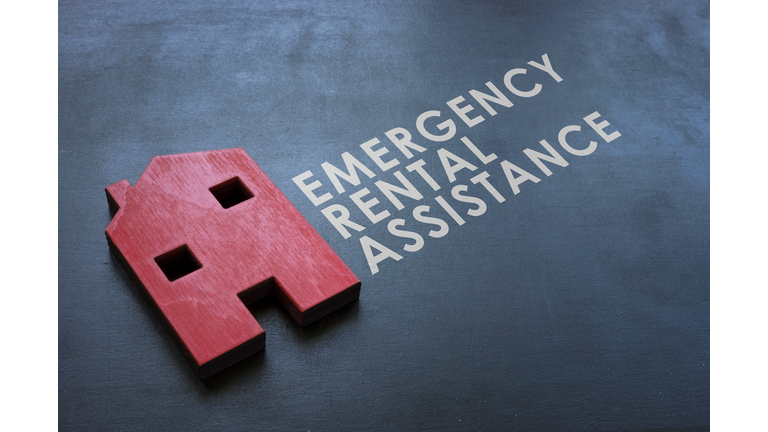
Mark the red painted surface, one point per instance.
(245, 252)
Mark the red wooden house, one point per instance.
(204, 234)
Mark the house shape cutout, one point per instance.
(205, 234)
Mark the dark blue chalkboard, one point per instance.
(581, 303)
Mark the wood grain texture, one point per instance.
(199, 264)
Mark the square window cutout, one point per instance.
(178, 263)
(231, 192)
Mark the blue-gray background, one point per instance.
(580, 304)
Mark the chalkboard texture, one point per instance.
(565, 286)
